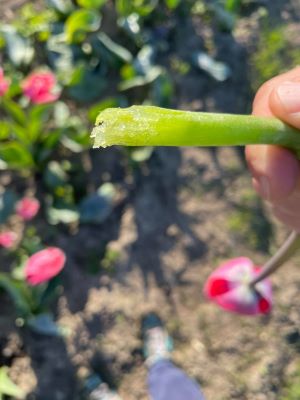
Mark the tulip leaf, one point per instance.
(7, 387)
(15, 155)
(91, 3)
(55, 175)
(15, 111)
(44, 324)
(96, 108)
(18, 293)
(37, 118)
(62, 215)
(141, 80)
(90, 86)
(79, 23)
(141, 7)
(5, 129)
(7, 205)
(119, 51)
(216, 69)
(61, 114)
(19, 49)
(140, 154)
(97, 207)
(172, 4)
(61, 6)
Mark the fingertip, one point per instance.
(284, 102)
(275, 171)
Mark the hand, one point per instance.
(275, 170)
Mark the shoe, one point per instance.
(158, 345)
(96, 389)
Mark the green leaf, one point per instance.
(140, 154)
(142, 80)
(141, 7)
(44, 324)
(50, 292)
(20, 133)
(15, 111)
(61, 6)
(225, 19)
(79, 23)
(62, 215)
(119, 51)
(233, 5)
(172, 4)
(102, 105)
(15, 155)
(61, 57)
(18, 293)
(97, 207)
(7, 387)
(37, 118)
(5, 130)
(216, 69)
(19, 49)
(91, 3)
(54, 175)
(72, 145)
(7, 205)
(89, 88)
(61, 114)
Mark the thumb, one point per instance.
(284, 102)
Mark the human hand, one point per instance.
(275, 170)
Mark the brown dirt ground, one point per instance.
(183, 214)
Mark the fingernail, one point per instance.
(264, 187)
(289, 95)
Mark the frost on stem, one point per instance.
(98, 135)
(123, 126)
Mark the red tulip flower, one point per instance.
(40, 87)
(4, 83)
(7, 239)
(229, 287)
(27, 208)
(44, 265)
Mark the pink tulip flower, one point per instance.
(228, 286)
(7, 239)
(27, 208)
(4, 83)
(39, 87)
(44, 265)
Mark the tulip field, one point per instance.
(91, 239)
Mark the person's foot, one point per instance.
(157, 343)
(96, 389)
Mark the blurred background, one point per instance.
(141, 228)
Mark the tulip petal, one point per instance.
(39, 87)
(228, 286)
(7, 239)
(44, 265)
(27, 208)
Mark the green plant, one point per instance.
(275, 53)
(292, 387)
(7, 387)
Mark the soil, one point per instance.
(171, 227)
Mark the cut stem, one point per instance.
(283, 254)
(154, 126)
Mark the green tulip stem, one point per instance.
(154, 126)
(283, 254)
